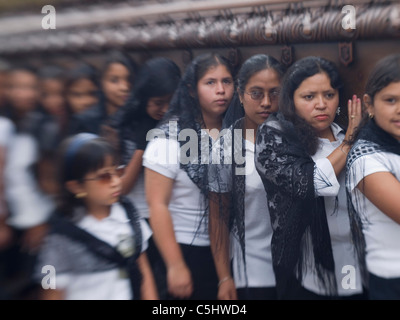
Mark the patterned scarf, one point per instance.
(298, 217)
(371, 139)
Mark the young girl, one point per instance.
(239, 197)
(176, 187)
(373, 182)
(97, 240)
(300, 155)
(155, 84)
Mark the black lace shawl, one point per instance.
(298, 216)
(371, 139)
(228, 180)
(85, 253)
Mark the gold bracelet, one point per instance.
(223, 280)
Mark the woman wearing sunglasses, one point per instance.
(97, 240)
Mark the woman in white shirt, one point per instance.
(176, 176)
(238, 199)
(373, 182)
(300, 155)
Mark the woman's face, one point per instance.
(116, 84)
(81, 95)
(23, 90)
(386, 109)
(158, 106)
(215, 91)
(260, 98)
(316, 102)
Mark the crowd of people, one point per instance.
(145, 181)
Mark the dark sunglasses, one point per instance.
(106, 177)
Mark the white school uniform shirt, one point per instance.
(163, 156)
(258, 231)
(382, 234)
(331, 188)
(104, 285)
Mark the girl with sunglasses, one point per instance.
(176, 190)
(97, 241)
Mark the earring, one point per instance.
(338, 111)
(81, 195)
(371, 115)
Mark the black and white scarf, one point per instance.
(85, 253)
(371, 139)
(298, 217)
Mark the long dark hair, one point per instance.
(251, 66)
(185, 103)
(79, 155)
(156, 77)
(295, 75)
(385, 71)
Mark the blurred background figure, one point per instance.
(115, 78)
(29, 208)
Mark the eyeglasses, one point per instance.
(106, 177)
(259, 94)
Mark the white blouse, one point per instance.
(382, 234)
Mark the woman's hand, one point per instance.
(355, 116)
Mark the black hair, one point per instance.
(51, 72)
(81, 70)
(157, 77)
(295, 75)
(184, 103)
(251, 66)
(77, 156)
(385, 71)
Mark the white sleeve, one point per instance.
(364, 166)
(325, 180)
(28, 205)
(7, 130)
(162, 156)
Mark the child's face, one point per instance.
(215, 91)
(81, 95)
(386, 109)
(103, 186)
(116, 84)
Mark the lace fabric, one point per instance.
(298, 216)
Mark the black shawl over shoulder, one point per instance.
(371, 139)
(298, 217)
